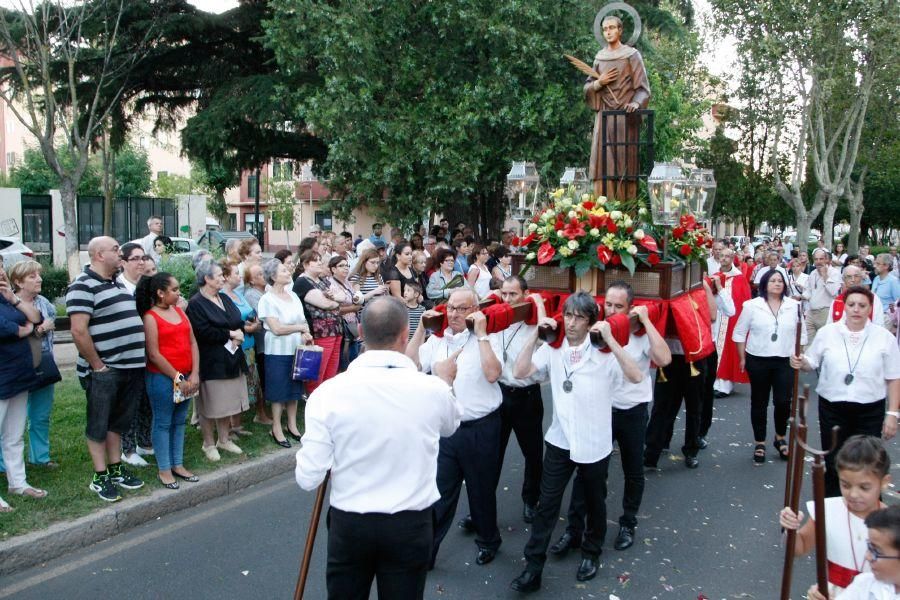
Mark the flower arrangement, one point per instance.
(587, 231)
(584, 231)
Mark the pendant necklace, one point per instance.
(507, 344)
(774, 314)
(848, 379)
(567, 383)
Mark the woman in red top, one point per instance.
(172, 356)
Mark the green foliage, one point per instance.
(281, 204)
(170, 185)
(133, 173)
(180, 268)
(34, 176)
(214, 180)
(55, 281)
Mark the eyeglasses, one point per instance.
(876, 555)
(459, 308)
(136, 259)
(341, 266)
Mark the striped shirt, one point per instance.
(415, 315)
(114, 326)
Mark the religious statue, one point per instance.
(622, 85)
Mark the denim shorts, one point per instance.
(112, 398)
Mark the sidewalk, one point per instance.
(31, 549)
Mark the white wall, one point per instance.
(11, 207)
(192, 211)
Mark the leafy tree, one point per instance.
(34, 175)
(282, 205)
(170, 185)
(133, 172)
(214, 182)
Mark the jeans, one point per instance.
(168, 422)
(769, 374)
(853, 418)
(40, 403)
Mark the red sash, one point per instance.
(839, 575)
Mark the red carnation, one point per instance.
(588, 205)
(653, 259)
(678, 232)
(616, 259)
(685, 250)
(611, 226)
(629, 230)
(545, 253)
(604, 254)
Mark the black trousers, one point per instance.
(668, 395)
(769, 375)
(853, 418)
(393, 549)
(522, 412)
(629, 427)
(471, 454)
(709, 395)
(558, 468)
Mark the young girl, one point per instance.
(863, 468)
(412, 297)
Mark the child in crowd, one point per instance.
(883, 555)
(863, 468)
(412, 296)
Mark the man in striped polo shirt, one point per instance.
(109, 336)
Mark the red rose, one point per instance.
(588, 205)
(616, 259)
(516, 241)
(611, 226)
(545, 253)
(653, 259)
(685, 250)
(649, 243)
(678, 232)
(604, 254)
(629, 230)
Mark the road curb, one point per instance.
(31, 549)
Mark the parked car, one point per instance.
(215, 240)
(182, 245)
(12, 250)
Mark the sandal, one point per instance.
(29, 491)
(759, 453)
(781, 446)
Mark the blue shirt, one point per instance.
(246, 312)
(888, 289)
(16, 367)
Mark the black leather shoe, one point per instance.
(282, 443)
(565, 543)
(526, 582)
(466, 524)
(625, 539)
(718, 394)
(702, 442)
(528, 513)
(691, 462)
(485, 555)
(587, 570)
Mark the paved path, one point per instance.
(710, 533)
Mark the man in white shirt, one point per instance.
(822, 287)
(583, 381)
(852, 276)
(155, 227)
(472, 453)
(629, 423)
(377, 428)
(773, 261)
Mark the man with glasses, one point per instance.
(851, 276)
(822, 287)
(473, 452)
(583, 381)
(109, 336)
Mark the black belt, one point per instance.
(512, 389)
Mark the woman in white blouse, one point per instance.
(764, 336)
(859, 373)
(479, 276)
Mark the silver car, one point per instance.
(12, 250)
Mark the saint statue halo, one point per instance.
(612, 6)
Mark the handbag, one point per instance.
(47, 372)
(307, 361)
(351, 333)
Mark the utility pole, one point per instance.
(260, 235)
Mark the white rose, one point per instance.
(564, 251)
(530, 256)
(632, 250)
(573, 214)
(594, 231)
(585, 197)
(573, 244)
(642, 211)
(615, 215)
(532, 227)
(628, 222)
(639, 234)
(602, 199)
(560, 234)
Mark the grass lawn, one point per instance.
(69, 496)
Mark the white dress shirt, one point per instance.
(477, 396)
(512, 340)
(628, 395)
(582, 418)
(821, 292)
(763, 270)
(757, 323)
(865, 587)
(877, 312)
(712, 266)
(878, 361)
(377, 427)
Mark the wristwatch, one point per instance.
(893, 413)
(181, 377)
(18, 301)
(483, 338)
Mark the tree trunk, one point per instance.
(67, 198)
(854, 195)
(828, 220)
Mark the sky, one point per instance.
(214, 6)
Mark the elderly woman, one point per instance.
(343, 293)
(420, 270)
(172, 363)
(218, 329)
(444, 273)
(254, 288)
(323, 313)
(17, 378)
(886, 286)
(764, 335)
(25, 278)
(233, 281)
(859, 373)
(286, 329)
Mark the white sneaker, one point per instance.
(211, 453)
(145, 451)
(134, 460)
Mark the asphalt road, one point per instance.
(708, 533)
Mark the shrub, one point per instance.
(56, 282)
(181, 269)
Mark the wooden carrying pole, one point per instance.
(311, 538)
(792, 438)
(793, 501)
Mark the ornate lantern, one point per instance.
(522, 186)
(576, 177)
(669, 191)
(704, 196)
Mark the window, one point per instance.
(11, 160)
(232, 222)
(251, 186)
(323, 219)
(282, 170)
